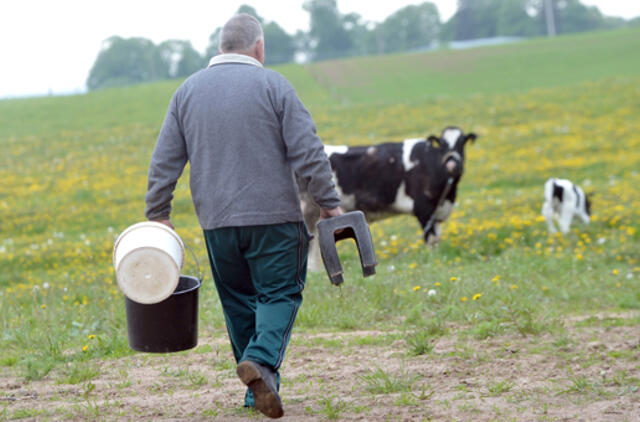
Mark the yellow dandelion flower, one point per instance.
(413, 265)
(437, 284)
(636, 269)
(514, 286)
(85, 348)
(477, 296)
(453, 278)
(495, 279)
(618, 285)
(579, 257)
(545, 288)
(615, 272)
(463, 299)
(92, 336)
(416, 288)
(44, 306)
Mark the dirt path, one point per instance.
(590, 372)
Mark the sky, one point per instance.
(49, 46)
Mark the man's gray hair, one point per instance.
(240, 33)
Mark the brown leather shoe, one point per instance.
(262, 383)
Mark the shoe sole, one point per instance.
(266, 400)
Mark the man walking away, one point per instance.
(247, 136)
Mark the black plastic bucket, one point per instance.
(167, 326)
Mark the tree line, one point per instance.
(332, 34)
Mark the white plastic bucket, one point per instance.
(148, 258)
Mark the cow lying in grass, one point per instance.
(416, 176)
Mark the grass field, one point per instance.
(73, 173)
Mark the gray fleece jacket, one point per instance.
(246, 134)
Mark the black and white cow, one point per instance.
(416, 176)
(562, 201)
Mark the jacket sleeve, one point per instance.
(306, 153)
(167, 163)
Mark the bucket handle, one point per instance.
(195, 258)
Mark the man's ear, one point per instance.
(258, 51)
(470, 137)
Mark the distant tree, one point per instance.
(463, 25)
(302, 44)
(634, 21)
(180, 58)
(126, 61)
(513, 19)
(280, 46)
(250, 11)
(573, 16)
(411, 27)
(364, 35)
(328, 36)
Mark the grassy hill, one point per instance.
(73, 172)
(537, 63)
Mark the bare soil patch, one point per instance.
(589, 372)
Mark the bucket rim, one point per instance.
(147, 224)
(189, 290)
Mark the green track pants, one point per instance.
(259, 272)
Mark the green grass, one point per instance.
(74, 175)
(517, 67)
(383, 382)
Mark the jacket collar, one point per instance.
(234, 58)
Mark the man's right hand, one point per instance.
(166, 223)
(328, 213)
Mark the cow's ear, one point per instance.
(470, 137)
(434, 141)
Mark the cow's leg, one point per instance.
(423, 208)
(311, 213)
(585, 218)
(564, 219)
(547, 213)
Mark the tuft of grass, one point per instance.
(382, 382)
(420, 343)
(36, 368)
(578, 384)
(500, 387)
(486, 329)
(78, 372)
(193, 378)
(332, 408)
(9, 360)
(27, 413)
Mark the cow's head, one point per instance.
(452, 142)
